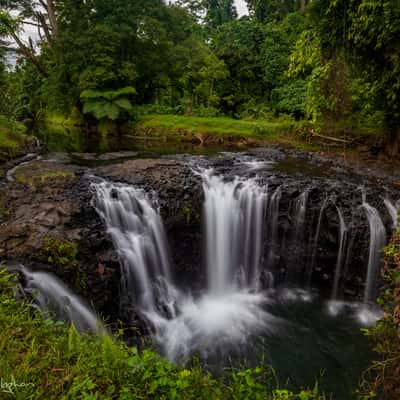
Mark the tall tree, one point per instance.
(219, 12)
(374, 42)
(196, 8)
(240, 45)
(273, 10)
(17, 14)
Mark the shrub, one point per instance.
(382, 379)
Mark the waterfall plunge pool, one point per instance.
(290, 269)
(250, 312)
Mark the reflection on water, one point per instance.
(317, 342)
(58, 139)
(292, 165)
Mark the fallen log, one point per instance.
(333, 139)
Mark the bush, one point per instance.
(382, 379)
(150, 109)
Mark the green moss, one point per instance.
(59, 253)
(49, 360)
(52, 119)
(188, 214)
(62, 255)
(55, 175)
(43, 178)
(12, 139)
(4, 212)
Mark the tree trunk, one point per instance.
(302, 6)
(392, 147)
(52, 17)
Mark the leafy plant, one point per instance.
(59, 253)
(109, 104)
(382, 379)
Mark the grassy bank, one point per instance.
(282, 131)
(42, 359)
(13, 139)
(219, 127)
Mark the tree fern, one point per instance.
(110, 104)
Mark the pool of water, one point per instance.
(302, 336)
(76, 140)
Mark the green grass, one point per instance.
(45, 178)
(219, 126)
(12, 139)
(43, 359)
(54, 119)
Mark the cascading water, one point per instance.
(234, 310)
(315, 244)
(273, 225)
(50, 294)
(229, 310)
(341, 252)
(377, 241)
(300, 214)
(393, 211)
(139, 238)
(234, 214)
(297, 243)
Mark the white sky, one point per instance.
(241, 7)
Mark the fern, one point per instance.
(108, 94)
(111, 104)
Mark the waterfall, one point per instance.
(139, 238)
(50, 294)
(341, 252)
(234, 215)
(297, 248)
(377, 242)
(229, 310)
(300, 215)
(393, 211)
(273, 225)
(315, 244)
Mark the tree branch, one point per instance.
(42, 20)
(52, 16)
(28, 53)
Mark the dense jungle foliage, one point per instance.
(332, 62)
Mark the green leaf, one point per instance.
(125, 104)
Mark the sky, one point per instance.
(241, 7)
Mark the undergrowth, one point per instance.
(12, 138)
(382, 379)
(43, 359)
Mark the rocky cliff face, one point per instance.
(47, 204)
